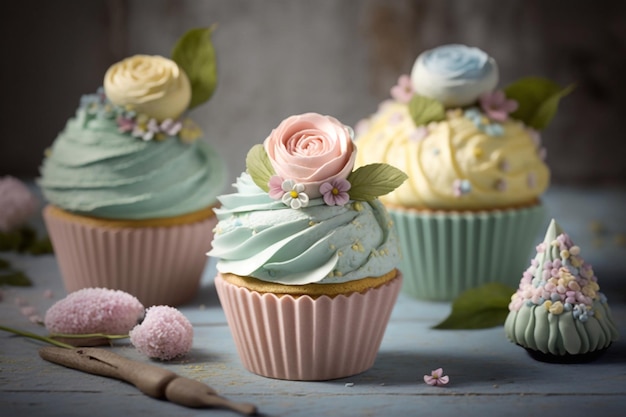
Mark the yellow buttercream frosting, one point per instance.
(453, 164)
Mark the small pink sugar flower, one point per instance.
(436, 378)
(403, 91)
(335, 192)
(94, 310)
(17, 203)
(496, 106)
(276, 187)
(164, 334)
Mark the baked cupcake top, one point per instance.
(129, 152)
(301, 215)
(463, 144)
(558, 307)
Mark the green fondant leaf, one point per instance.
(537, 99)
(195, 54)
(41, 247)
(259, 166)
(15, 278)
(374, 180)
(425, 110)
(479, 308)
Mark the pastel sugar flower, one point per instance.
(276, 187)
(403, 91)
(151, 85)
(94, 310)
(311, 149)
(455, 75)
(335, 192)
(171, 127)
(294, 195)
(436, 378)
(17, 203)
(165, 333)
(496, 106)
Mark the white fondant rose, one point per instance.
(455, 75)
(311, 149)
(150, 85)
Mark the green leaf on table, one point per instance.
(373, 180)
(424, 110)
(479, 308)
(41, 247)
(259, 167)
(15, 278)
(195, 54)
(4, 264)
(538, 100)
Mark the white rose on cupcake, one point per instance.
(151, 85)
(455, 75)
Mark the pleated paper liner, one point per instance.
(158, 265)
(304, 338)
(444, 254)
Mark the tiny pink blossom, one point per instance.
(165, 333)
(436, 378)
(403, 91)
(335, 192)
(125, 124)
(276, 187)
(496, 105)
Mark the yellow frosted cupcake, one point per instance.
(130, 183)
(307, 269)
(471, 209)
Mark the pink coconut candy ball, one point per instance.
(165, 333)
(94, 310)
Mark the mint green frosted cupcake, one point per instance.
(471, 209)
(131, 184)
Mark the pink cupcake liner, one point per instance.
(158, 265)
(301, 338)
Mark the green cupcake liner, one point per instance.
(446, 253)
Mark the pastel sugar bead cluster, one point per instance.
(563, 284)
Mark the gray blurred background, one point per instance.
(282, 57)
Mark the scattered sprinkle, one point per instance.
(349, 384)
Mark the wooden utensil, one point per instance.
(152, 380)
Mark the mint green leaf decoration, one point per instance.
(195, 54)
(538, 100)
(424, 110)
(374, 180)
(479, 308)
(259, 167)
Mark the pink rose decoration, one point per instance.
(311, 149)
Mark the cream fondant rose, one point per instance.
(455, 75)
(150, 85)
(311, 149)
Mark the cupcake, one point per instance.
(307, 254)
(131, 185)
(471, 209)
(558, 314)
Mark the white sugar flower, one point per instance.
(294, 196)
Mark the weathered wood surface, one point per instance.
(489, 375)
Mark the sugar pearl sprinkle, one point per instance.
(564, 284)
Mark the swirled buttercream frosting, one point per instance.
(463, 162)
(264, 238)
(558, 308)
(95, 169)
